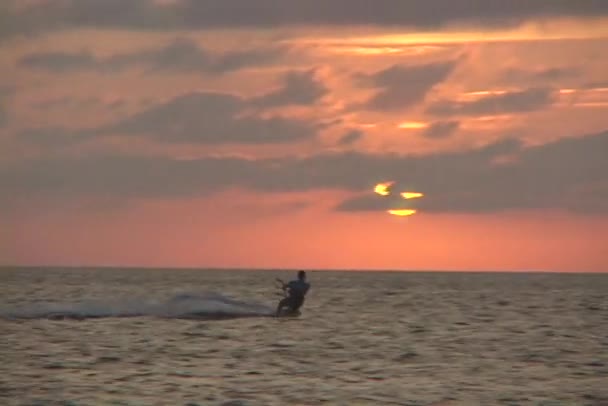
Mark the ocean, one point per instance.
(206, 337)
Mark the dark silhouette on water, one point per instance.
(295, 293)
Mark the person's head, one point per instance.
(301, 275)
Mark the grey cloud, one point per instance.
(510, 102)
(197, 117)
(186, 55)
(299, 88)
(206, 14)
(403, 85)
(6, 92)
(236, 60)
(537, 178)
(129, 176)
(350, 137)
(58, 61)
(62, 102)
(182, 55)
(569, 174)
(43, 17)
(211, 118)
(596, 85)
(534, 76)
(48, 136)
(3, 115)
(506, 146)
(441, 129)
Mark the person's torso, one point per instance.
(298, 288)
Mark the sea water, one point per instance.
(204, 337)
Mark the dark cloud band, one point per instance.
(205, 14)
(180, 55)
(571, 173)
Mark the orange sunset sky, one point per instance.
(254, 134)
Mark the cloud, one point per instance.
(179, 55)
(204, 118)
(67, 102)
(537, 178)
(6, 92)
(49, 136)
(58, 61)
(569, 174)
(211, 118)
(210, 14)
(3, 116)
(534, 76)
(596, 85)
(441, 129)
(403, 85)
(350, 137)
(299, 88)
(505, 103)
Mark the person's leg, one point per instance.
(283, 303)
(296, 304)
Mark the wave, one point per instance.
(205, 306)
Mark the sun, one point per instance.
(383, 189)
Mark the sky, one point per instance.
(335, 134)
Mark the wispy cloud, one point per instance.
(350, 137)
(204, 117)
(550, 75)
(402, 86)
(521, 101)
(211, 118)
(441, 129)
(298, 88)
(179, 55)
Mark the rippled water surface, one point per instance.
(177, 337)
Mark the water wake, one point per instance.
(206, 306)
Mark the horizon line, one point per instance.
(295, 269)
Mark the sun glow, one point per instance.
(387, 42)
(411, 195)
(412, 125)
(382, 188)
(402, 212)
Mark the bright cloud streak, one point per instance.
(550, 30)
(411, 195)
(412, 125)
(402, 212)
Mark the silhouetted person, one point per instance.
(296, 291)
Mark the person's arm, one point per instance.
(283, 284)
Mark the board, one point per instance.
(287, 313)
